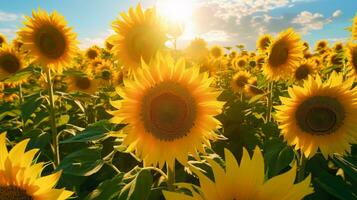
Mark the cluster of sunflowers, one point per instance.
(140, 119)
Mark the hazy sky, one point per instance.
(226, 22)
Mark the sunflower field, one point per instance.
(138, 119)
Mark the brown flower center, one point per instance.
(302, 72)
(279, 54)
(50, 41)
(168, 111)
(92, 54)
(241, 63)
(264, 43)
(320, 115)
(9, 63)
(83, 83)
(13, 193)
(241, 81)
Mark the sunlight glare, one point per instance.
(176, 10)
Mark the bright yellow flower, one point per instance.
(169, 110)
(284, 54)
(352, 57)
(197, 50)
(306, 68)
(239, 81)
(217, 51)
(21, 179)
(139, 35)
(321, 45)
(320, 115)
(10, 62)
(92, 53)
(263, 42)
(251, 88)
(86, 84)
(244, 181)
(48, 39)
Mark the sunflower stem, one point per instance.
(301, 167)
(55, 148)
(269, 102)
(21, 98)
(170, 178)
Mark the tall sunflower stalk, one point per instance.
(55, 147)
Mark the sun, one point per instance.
(176, 11)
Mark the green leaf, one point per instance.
(348, 165)
(84, 162)
(335, 186)
(256, 98)
(108, 189)
(30, 105)
(277, 156)
(18, 76)
(95, 131)
(141, 186)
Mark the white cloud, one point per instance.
(8, 32)
(5, 16)
(313, 21)
(337, 13)
(216, 36)
(99, 40)
(342, 39)
(226, 9)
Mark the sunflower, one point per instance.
(251, 88)
(21, 179)
(260, 60)
(92, 53)
(117, 78)
(338, 47)
(109, 43)
(85, 83)
(10, 62)
(2, 39)
(335, 59)
(216, 51)
(240, 62)
(308, 54)
(352, 56)
(306, 46)
(263, 42)
(320, 115)
(284, 54)
(211, 65)
(197, 50)
(169, 110)
(321, 46)
(139, 35)
(105, 71)
(233, 54)
(354, 28)
(93, 66)
(17, 44)
(244, 181)
(239, 81)
(306, 68)
(48, 39)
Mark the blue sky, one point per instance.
(226, 22)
